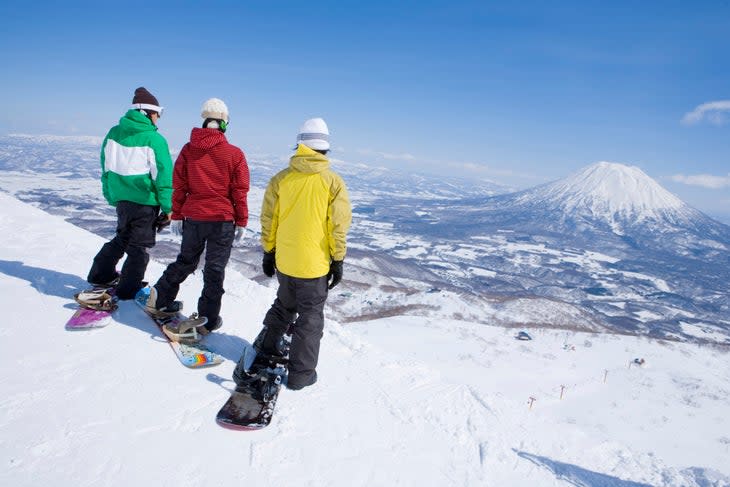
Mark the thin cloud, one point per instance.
(463, 168)
(714, 112)
(703, 180)
(482, 169)
(389, 156)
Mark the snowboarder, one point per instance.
(305, 217)
(136, 178)
(210, 211)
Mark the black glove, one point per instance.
(162, 221)
(269, 263)
(335, 274)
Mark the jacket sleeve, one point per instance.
(163, 180)
(104, 174)
(180, 187)
(270, 214)
(339, 217)
(239, 189)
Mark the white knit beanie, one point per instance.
(314, 134)
(215, 108)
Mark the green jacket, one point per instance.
(305, 216)
(136, 164)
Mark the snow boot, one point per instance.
(164, 312)
(210, 327)
(300, 383)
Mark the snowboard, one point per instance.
(87, 318)
(194, 356)
(251, 406)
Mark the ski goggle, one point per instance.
(147, 106)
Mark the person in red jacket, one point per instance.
(210, 210)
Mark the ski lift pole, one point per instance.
(562, 389)
(531, 400)
(605, 375)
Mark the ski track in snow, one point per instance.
(401, 401)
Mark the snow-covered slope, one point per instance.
(401, 401)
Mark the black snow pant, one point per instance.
(135, 234)
(298, 309)
(216, 238)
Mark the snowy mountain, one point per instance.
(609, 239)
(611, 192)
(626, 201)
(605, 249)
(605, 196)
(405, 400)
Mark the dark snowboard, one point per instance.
(251, 405)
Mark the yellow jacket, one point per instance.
(305, 216)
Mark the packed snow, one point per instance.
(400, 401)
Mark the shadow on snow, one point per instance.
(577, 475)
(45, 281)
(130, 314)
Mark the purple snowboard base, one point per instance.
(84, 319)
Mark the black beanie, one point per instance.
(141, 95)
(145, 102)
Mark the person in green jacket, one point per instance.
(136, 178)
(305, 217)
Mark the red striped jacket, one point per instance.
(211, 180)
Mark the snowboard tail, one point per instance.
(86, 319)
(191, 355)
(243, 412)
(251, 405)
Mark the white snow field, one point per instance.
(404, 401)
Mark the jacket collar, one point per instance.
(134, 121)
(308, 161)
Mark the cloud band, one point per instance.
(713, 111)
(703, 180)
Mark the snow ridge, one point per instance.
(47, 139)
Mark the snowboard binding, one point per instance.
(186, 331)
(262, 383)
(97, 299)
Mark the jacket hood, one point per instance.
(134, 122)
(206, 138)
(308, 161)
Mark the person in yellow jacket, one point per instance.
(305, 217)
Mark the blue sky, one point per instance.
(519, 94)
